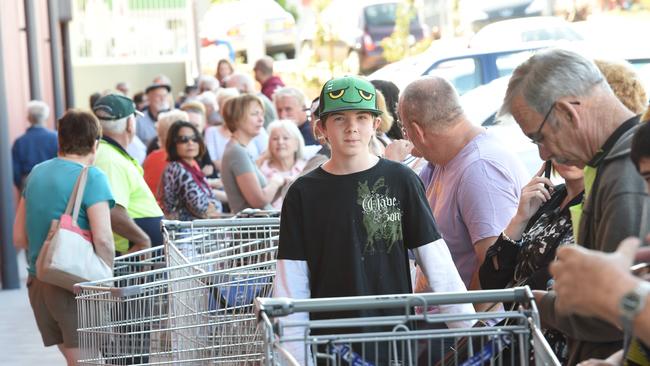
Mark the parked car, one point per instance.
(482, 104)
(228, 24)
(516, 32)
(355, 29)
(465, 68)
(479, 13)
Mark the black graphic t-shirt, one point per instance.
(354, 230)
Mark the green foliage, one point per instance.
(290, 8)
(396, 47)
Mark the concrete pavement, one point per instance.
(20, 340)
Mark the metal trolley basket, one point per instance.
(193, 311)
(408, 338)
(200, 239)
(197, 239)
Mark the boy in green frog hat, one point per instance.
(347, 225)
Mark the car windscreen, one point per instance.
(382, 15)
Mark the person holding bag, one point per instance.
(45, 198)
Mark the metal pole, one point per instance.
(195, 39)
(53, 15)
(67, 65)
(32, 51)
(9, 260)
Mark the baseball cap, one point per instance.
(156, 86)
(348, 93)
(113, 107)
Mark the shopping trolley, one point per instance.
(196, 239)
(199, 239)
(408, 338)
(198, 311)
(140, 261)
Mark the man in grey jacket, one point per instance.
(563, 103)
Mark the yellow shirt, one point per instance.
(129, 188)
(576, 211)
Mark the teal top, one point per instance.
(46, 194)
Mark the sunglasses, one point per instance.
(186, 139)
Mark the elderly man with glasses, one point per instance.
(562, 103)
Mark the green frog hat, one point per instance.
(349, 93)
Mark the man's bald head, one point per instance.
(431, 102)
(264, 66)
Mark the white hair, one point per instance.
(165, 121)
(288, 91)
(225, 94)
(242, 82)
(208, 83)
(115, 126)
(292, 129)
(208, 98)
(37, 112)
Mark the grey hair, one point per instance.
(208, 98)
(37, 112)
(288, 91)
(115, 126)
(550, 75)
(239, 79)
(208, 83)
(433, 102)
(293, 130)
(224, 94)
(165, 121)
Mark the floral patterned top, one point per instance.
(527, 263)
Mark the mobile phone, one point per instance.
(640, 269)
(548, 165)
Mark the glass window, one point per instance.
(507, 63)
(464, 74)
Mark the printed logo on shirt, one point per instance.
(382, 216)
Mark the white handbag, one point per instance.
(68, 254)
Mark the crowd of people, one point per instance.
(374, 184)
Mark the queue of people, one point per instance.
(368, 177)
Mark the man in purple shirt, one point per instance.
(473, 183)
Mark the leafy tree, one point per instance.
(397, 47)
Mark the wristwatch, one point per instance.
(631, 305)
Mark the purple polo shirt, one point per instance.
(474, 196)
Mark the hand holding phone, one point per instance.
(548, 166)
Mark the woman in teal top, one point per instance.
(44, 199)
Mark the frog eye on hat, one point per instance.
(336, 94)
(365, 95)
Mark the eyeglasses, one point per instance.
(186, 139)
(537, 137)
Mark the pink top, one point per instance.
(293, 173)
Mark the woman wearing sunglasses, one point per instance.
(187, 195)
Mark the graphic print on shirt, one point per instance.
(382, 216)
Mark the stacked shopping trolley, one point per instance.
(189, 302)
(204, 298)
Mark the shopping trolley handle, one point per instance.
(278, 306)
(284, 306)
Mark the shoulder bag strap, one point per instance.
(74, 202)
